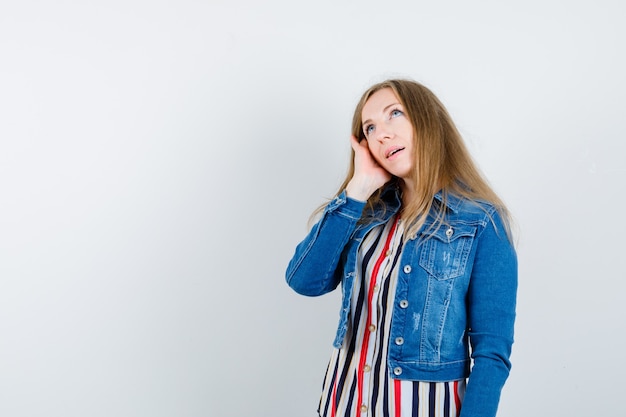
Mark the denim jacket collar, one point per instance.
(392, 199)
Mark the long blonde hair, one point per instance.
(442, 162)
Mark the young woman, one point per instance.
(421, 246)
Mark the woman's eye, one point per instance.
(396, 113)
(369, 129)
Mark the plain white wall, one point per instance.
(159, 161)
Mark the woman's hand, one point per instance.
(368, 176)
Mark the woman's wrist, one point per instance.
(358, 191)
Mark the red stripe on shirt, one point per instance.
(370, 295)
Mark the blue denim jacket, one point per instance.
(456, 288)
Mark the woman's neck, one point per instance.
(408, 192)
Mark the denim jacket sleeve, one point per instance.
(313, 269)
(491, 315)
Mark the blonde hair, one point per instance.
(442, 162)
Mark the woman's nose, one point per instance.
(383, 132)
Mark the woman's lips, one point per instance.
(392, 151)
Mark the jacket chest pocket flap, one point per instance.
(444, 253)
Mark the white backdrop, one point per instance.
(159, 161)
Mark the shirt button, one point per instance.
(366, 368)
(404, 304)
(388, 253)
(372, 327)
(397, 370)
(363, 408)
(399, 341)
(376, 287)
(407, 269)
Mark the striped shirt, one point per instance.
(357, 381)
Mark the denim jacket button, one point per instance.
(404, 304)
(397, 370)
(449, 232)
(399, 341)
(407, 269)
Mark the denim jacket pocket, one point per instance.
(445, 252)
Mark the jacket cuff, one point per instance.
(346, 206)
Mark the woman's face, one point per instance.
(389, 133)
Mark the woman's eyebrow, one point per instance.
(384, 110)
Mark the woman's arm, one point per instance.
(313, 269)
(491, 310)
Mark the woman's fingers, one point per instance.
(368, 174)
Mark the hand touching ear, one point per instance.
(368, 176)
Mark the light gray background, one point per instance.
(159, 161)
